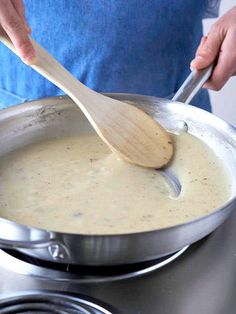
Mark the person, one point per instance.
(133, 46)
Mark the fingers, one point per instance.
(219, 47)
(15, 28)
(226, 62)
(198, 58)
(208, 49)
(20, 9)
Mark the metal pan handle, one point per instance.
(56, 249)
(15, 236)
(193, 84)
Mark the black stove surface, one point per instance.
(201, 280)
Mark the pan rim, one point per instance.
(31, 105)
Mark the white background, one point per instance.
(224, 101)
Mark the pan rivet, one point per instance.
(56, 251)
(182, 126)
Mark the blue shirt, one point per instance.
(134, 46)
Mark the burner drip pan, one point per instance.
(44, 302)
(27, 265)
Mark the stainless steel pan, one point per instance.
(59, 116)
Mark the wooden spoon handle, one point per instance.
(124, 128)
(51, 69)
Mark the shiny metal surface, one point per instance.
(193, 84)
(42, 301)
(202, 280)
(172, 181)
(33, 268)
(58, 116)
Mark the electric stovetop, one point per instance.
(197, 279)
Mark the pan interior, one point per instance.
(61, 120)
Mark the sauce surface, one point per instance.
(76, 185)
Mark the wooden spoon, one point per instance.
(128, 131)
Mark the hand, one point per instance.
(219, 46)
(13, 21)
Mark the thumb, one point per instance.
(207, 51)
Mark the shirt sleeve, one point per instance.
(212, 10)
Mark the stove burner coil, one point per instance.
(45, 302)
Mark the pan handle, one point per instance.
(193, 84)
(56, 249)
(16, 236)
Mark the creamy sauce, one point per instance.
(76, 185)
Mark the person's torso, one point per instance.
(133, 46)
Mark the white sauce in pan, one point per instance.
(76, 185)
